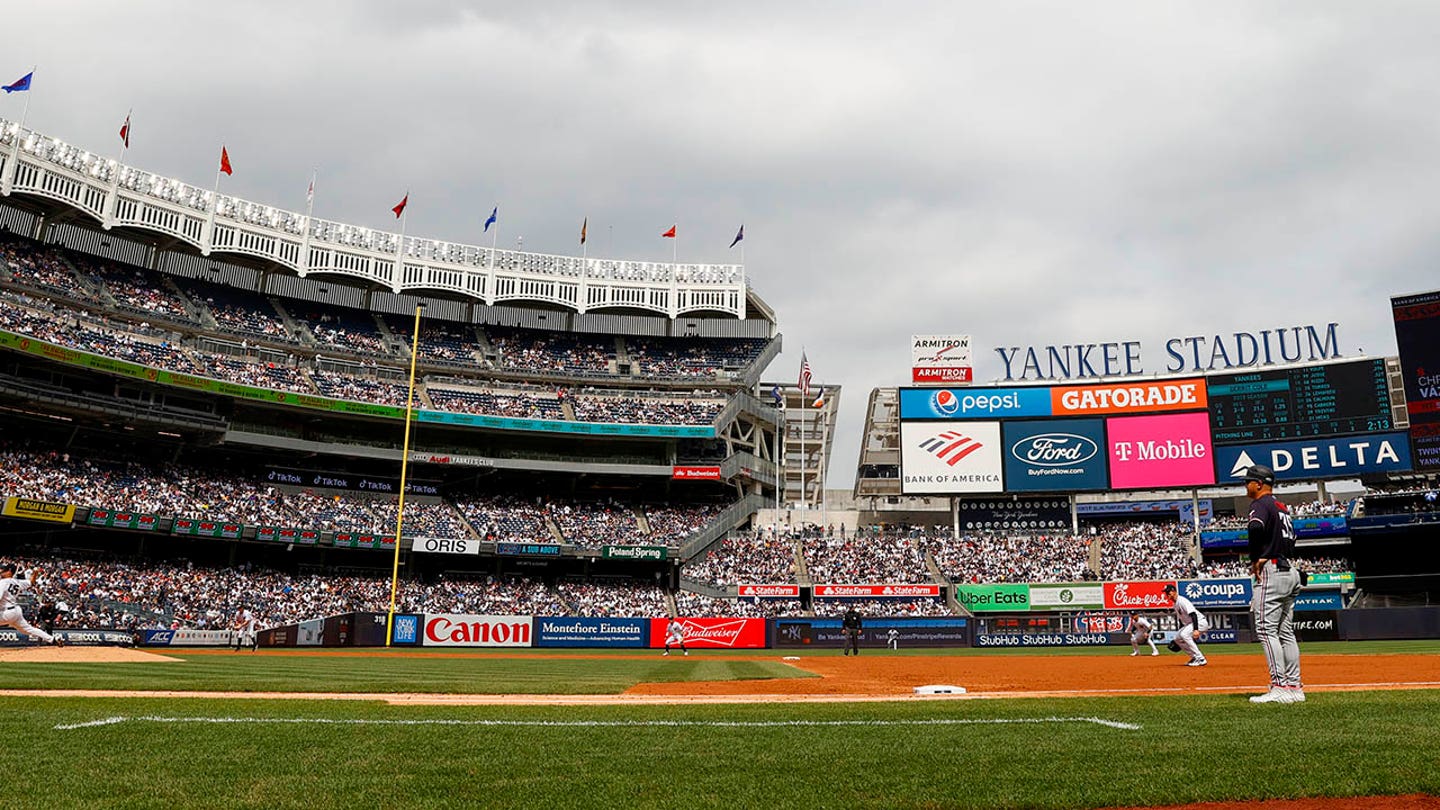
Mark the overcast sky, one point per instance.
(1027, 173)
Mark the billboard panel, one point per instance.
(464, 630)
(711, 633)
(1154, 452)
(1268, 405)
(1308, 459)
(973, 403)
(941, 458)
(1417, 335)
(940, 359)
(571, 631)
(1153, 396)
(1067, 596)
(1018, 512)
(1058, 455)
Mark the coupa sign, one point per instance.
(1216, 592)
(465, 630)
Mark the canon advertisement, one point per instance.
(464, 630)
(1058, 455)
(1344, 457)
(1170, 450)
(936, 457)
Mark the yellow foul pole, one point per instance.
(404, 468)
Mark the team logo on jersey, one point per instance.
(950, 447)
(945, 402)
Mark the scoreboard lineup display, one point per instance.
(1307, 422)
(1298, 403)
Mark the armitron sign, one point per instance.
(940, 359)
(464, 630)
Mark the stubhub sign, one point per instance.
(1342, 457)
(973, 403)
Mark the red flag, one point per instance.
(670, 234)
(804, 381)
(125, 132)
(584, 226)
(400, 209)
(225, 161)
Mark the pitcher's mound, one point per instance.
(78, 655)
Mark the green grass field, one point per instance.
(312, 754)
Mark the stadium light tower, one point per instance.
(404, 468)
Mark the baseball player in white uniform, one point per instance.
(675, 634)
(893, 639)
(1192, 623)
(1140, 628)
(10, 613)
(245, 630)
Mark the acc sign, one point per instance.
(1318, 458)
(1216, 592)
(464, 630)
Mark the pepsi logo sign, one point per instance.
(945, 402)
(1055, 449)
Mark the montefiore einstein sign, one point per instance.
(1183, 355)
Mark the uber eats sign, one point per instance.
(993, 598)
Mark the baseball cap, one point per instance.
(1260, 473)
(1169, 588)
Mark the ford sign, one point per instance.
(1055, 449)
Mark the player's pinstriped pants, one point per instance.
(16, 619)
(1273, 608)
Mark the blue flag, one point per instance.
(740, 234)
(775, 394)
(21, 84)
(491, 221)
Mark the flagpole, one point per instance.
(208, 240)
(400, 247)
(24, 114)
(494, 240)
(404, 466)
(109, 219)
(304, 263)
(675, 245)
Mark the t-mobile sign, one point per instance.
(1148, 452)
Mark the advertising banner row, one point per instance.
(1330, 526)
(1140, 596)
(464, 630)
(1129, 452)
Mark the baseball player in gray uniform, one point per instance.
(1277, 582)
(1140, 628)
(10, 613)
(1192, 623)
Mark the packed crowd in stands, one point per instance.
(690, 357)
(31, 266)
(875, 558)
(1146, 551)
(759, 558)
(238, 311)
(882, 607)
(549, 352)
(363, 389)
(346, 330)
(645, 411)
(979, 557)
(613, 598)
(594, 523)
(274, 376)
(671, 525)
(507, 518)
(1239, 567)
(688, 603)
(510, 404)
(135, 290)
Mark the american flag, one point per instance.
(804, 376)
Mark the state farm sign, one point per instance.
(770, 591)
(1136, 595)
(465, 630)
(876, 591)
(710, 633)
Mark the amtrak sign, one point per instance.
(1310, 459)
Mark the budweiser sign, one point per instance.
(730, 634)
(770, 591)
(877, 591)
(463, 630)
(1136, 595)
(695, 473)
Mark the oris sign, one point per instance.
(465, 630)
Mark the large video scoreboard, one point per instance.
(1307, 423)
(1295, 403)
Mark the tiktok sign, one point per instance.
(1172, 450)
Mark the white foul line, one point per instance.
(110, 721)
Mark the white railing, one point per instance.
(124, 196)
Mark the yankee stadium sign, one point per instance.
(1196, 353)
